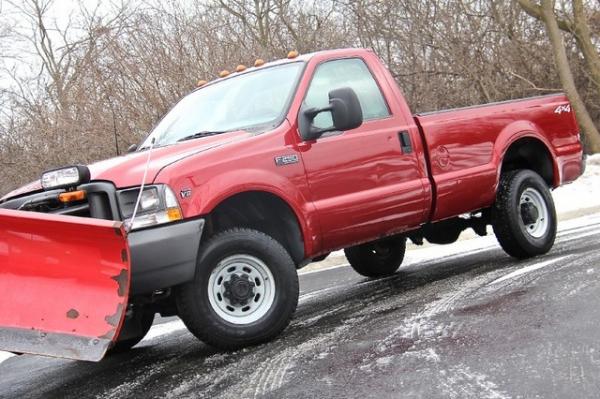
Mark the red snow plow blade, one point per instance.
(64, 284)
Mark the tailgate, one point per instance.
(64, 282)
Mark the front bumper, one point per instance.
(161, 256)
(164, 256)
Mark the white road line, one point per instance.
(5, 356)
(567, 232)
(159, 330)
(528, 269)
(302, 273)
(582, 235)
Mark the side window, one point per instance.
(351, 73)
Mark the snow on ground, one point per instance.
(583, 193)
(5, 356)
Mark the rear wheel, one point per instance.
(378, 258)
(245, 291)
(523, 217)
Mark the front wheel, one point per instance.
(245, 290)
(378, 258)
(523, 217)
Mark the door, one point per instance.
(363, 184)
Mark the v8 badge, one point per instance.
(185, 193)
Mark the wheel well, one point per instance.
(260, 211)
(529, 153)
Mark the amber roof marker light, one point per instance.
(259, 62)
(240, 68)
(293, 54)
(201, 83)
(224, 74)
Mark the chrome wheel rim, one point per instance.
(535, 216)
(241, 289)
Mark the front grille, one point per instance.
(79, 208)
(100, 203)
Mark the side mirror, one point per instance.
(346, 114)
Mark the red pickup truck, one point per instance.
(260, 172)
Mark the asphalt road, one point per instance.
(455, 322)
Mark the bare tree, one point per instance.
(105, 76)
(579, 27)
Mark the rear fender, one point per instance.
(515, 131)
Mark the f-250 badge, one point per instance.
(283, 160)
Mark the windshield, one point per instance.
(254, 101)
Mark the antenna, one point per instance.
(139, 198)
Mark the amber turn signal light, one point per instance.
(174, 214)
(72, 196)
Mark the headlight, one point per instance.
(158, 205)
(71, 176)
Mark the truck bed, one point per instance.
(466, 145)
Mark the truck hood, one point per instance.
(128, 170)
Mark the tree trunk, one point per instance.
(583, 35)
(579, 27)
(566, 77)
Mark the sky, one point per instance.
(16, 53)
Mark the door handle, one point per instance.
(405, 142)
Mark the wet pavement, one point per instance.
(455, 322)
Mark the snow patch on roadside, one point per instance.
(5, 356)
(421, 327)
(466, 383)
(145, 375)
(275, 373)
(159, 330)
(584, 192)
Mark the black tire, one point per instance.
(378, 258)
(202, 318)
(133, 331)
(510, 220)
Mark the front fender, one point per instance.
(207, 196)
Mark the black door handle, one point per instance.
(405, 143)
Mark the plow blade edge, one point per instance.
(64, 283)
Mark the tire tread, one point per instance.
(361, 260)
(188, 311)
(505, 227)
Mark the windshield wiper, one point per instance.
(201, 134)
